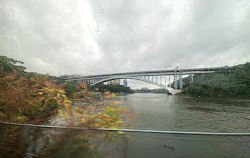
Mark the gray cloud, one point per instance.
(95, 36)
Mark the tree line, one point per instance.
(112, 88)
(234, 81)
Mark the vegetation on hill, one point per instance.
(226, 81)
(157, 91)
(111, 88)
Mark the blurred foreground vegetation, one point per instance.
(31, 97)
(35, 98)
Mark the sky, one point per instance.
(88, 37)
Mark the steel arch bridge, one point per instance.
(134, 78)
(158, 78)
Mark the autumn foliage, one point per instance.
(98, 114)
(28, 99)
(34, 98)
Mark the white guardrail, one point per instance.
(128, 130)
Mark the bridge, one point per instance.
(158, 78)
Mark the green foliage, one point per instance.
(160, 91)
(157, 91)
(233, 81)
(111, 88)
(70, 89)
(10, 65)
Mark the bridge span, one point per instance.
(158, 78)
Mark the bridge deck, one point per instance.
(155, 73)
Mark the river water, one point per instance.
(182, 113)
(154, 111)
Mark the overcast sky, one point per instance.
(105, 36)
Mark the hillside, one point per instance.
(233, 81)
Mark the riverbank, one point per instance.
(233, 82)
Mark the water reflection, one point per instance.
(181, 113)
(43, 142)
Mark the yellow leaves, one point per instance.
(60, 113)
(67, 101)
(83, 85)
(83, 119)
(63, 113)
(105, 116)
(90, 107)
(106, 92)
(66, 114)
(22, 118)
(91, 116)
(111, 95)
(107, 108)
(118, 122)
(77, 108)
(61, 91)
(40, 93)
(114, 102)
(50, 90)
(120, 132)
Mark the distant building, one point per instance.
(117, 82)
(125, 83)
(144, 88)
(114, 82)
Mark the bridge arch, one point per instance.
(133, 78)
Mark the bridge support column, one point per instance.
(191, 78)
(175, 80)
(78, 80)
(165, 80)
(169, 81)
(180, 80)
(125, 83)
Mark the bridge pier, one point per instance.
(191, 78)
(169, 81)
(175, 80)
(165, 80)
(125, 83)
(78, 80)
(180, 80)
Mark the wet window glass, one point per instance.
(115, 78)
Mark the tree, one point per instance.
(11, 65)
(223, 82)
(34, 98)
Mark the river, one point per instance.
(154, 111)
(182, 113)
